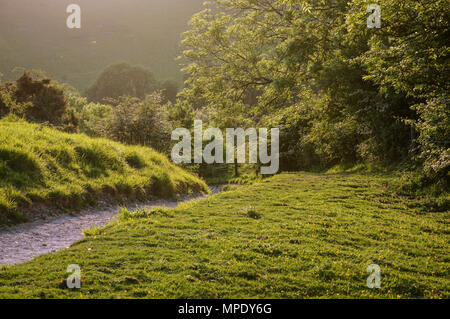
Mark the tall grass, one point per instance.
(42, 165)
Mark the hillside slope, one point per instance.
(33, 35)
(45, 166)
(298, 235)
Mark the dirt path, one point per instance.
(24, 242)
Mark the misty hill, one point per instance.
(33, 35)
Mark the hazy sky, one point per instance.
(33, 34)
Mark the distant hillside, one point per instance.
(33, 34)
(40, 165)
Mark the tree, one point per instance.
(289, 63)
(122, 80)
(38, 100)
(136, 121)
(169, 91)
(338, 90)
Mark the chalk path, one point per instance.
(26, 241)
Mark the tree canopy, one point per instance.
(339, 90)
(122, 80)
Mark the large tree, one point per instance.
(315, 69)
(122, 80)
(410, 55)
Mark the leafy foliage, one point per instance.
(128, 120)
(41, 101)
(338, 91)
(410, 54)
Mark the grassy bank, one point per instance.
(298, 235)
(39, 165)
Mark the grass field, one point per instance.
(39, 165)
(298, 235)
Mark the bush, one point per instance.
(143, 122)
(41, 101)
(48, 100)
(434, 138)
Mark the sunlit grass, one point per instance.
(39, 165)
(299, 235)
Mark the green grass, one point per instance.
(298, 235)
(39, 165)
(216, 174)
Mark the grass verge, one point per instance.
(40, 165)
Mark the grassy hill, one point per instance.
(298, 235)
(40, 165)
(33, 35)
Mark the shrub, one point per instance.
(252, 213)
(143, 122)
(41, 101)
(49, 102)
(434, 139)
